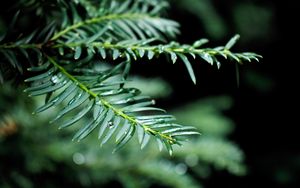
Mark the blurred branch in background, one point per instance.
(253, 20)
(214, 147)
(208, 16)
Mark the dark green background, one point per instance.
(267, 99)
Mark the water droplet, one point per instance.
(54, 79)
(110, 124)
(180, 168)
(218, 64)
(132, 91)
(129, 100)
(191, 160)
(153, 101)
(78, 158)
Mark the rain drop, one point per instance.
(78, 158)
(132, 91)
(129, 100)
(180, 168)
(191, 160)
(153, 101)
(218, 64)
(110, 124)
(54, 79)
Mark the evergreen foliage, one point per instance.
(63, 57)
(34, 157)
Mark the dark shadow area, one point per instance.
(267, 97)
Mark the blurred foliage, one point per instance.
(259, 81)
(32, 156)
(206, 12)
(253, 21)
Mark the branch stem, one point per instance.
(99, 20)
(107, 104)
